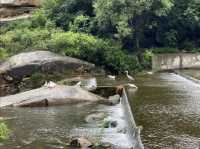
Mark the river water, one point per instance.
(168, 108)
(52, 127)
(166, 105)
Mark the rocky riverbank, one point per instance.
(17, 9)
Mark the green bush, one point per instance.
(94, 50)
(80, 45)
(147, 56)
(164, 50)
(3, 54)
(4, 132)
(19, 40)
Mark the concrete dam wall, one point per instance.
(161, 62)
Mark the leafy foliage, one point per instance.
(4, 132)
(105, 32)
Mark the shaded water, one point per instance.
(168, 108)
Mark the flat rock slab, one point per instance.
(46, 96)
(19, 3)
(25, 64)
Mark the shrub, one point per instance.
(19, 40)
(80, 45)
(3, 53)
(80, 23)
(147, 56)
(4, 132)
(95, 50)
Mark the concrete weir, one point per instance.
(161, 62)
(197, 81)
(133, 130)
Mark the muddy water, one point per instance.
(168, 108)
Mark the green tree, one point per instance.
(62, 12)
(129, 18)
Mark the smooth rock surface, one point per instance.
(25, 64)
(19, 3)
(51, 96)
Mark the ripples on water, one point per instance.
(50, 128)
(168, 107)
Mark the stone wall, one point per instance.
(161, 62)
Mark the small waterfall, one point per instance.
(133, 130)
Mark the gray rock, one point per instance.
(81, 142)
(51, 96)
(25, 64)
(113, 100)
(105, 145)
(92, 118)
(19, 3)
(89, 84)
(110, 124)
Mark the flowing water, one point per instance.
(168, 108)
(52, 127)
(166, 105)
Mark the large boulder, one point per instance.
(19, 3)
(25, 64)
(9, 14)
(51, 96)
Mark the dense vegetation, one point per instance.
(116, 34)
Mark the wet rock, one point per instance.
(119, 89)
(113, 100)
(7, 86)
(104, 146)
(51, 96)
(110, 124)
(122, 130)
(81, 142)
(89, 84)
(92, 118)
(25, 64)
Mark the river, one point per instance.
(166, 105)
(168, 108)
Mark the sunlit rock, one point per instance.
(45, 96)
(25, 64)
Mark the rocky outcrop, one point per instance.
(19, 3)
(25, 64)
(11, 13)
(11, 10)
(51, 96)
